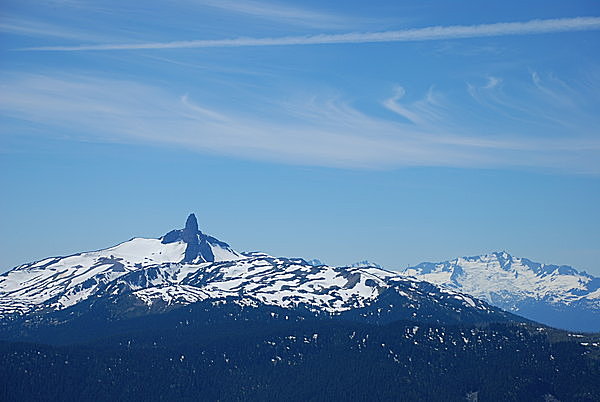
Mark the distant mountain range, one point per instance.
(186, 266)
(556, 295)
(365, 263)
(187, 317)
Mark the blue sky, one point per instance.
(392, 131)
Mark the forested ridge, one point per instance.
(225, 352)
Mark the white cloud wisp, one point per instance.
(407, 35)
(315, 132)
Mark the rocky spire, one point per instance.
(190, 231)
(190, 236)
(198, 249)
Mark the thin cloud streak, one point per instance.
(408, 35)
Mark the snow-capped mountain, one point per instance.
(186, 266)
(315, 262)
(189, 314)
(60, 282)
(555, 295)
(365, 263)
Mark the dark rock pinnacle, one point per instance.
(198, 248)
(190, 232)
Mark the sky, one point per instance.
(393, 131)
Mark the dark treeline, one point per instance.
(228, 353)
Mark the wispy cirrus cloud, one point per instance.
(545, 103)
(426, 111)
(279, 13)
(33, 28)
(316, 131)
(407, 35)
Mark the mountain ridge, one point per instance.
(557, 295)
(186, 266)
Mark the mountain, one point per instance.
(187, 317)
(186, 266)
(315, 261)
(364, 264)
(557, 295)
(59, 282)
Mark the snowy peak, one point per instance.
(365, 264)
(187, 266)
(199, 247)
(538, 291)
(65, 281)
(495, 261)
(315, 262)
(501, 272)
